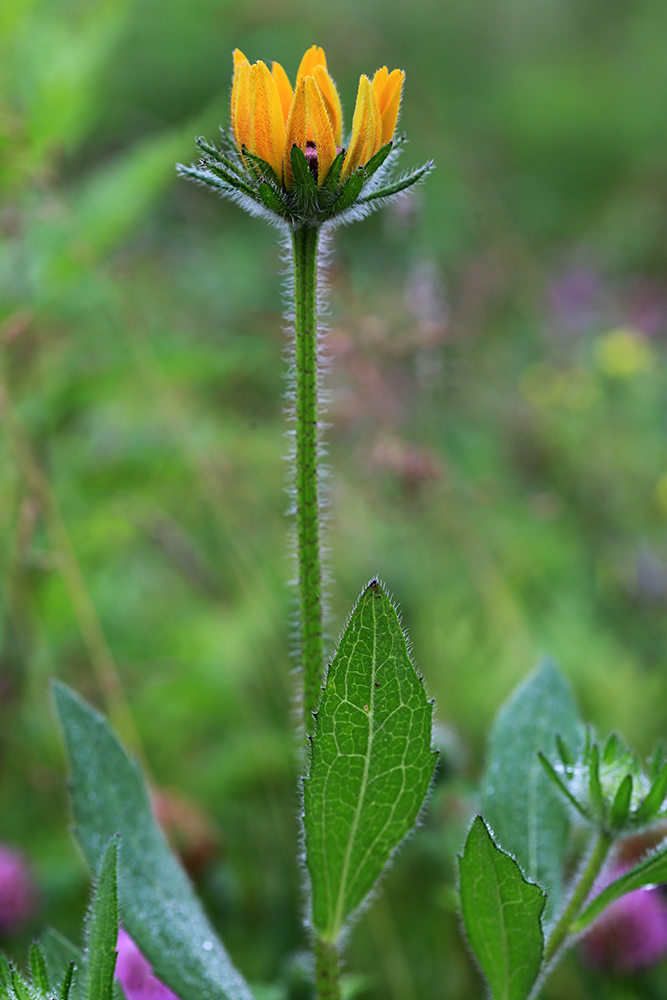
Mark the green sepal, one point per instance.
(566, 757)
(59, 953)
(264, 169)
(5, 971)
(400, 185)
(329, 188)
(620, 809)
(272, 200)
(18, 985)
(67, 982)
(658, 760)
(102, 929)
(613, 746)
(304, 191)
(218, 155)
(232, 179)
(376, 161)
(214, 180)
(594, 784)
(560, 784)
(652, 804)
(40, 976)
(349, 193)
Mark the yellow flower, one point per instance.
(268, 117)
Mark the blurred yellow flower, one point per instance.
(268, 117)
(623, 352)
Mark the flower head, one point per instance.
(285, 152)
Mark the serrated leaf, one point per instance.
(501, 913)
(158, 905)
(651, 871)
(519, 802)
(371, 762)
(40, 977)
(102, 929)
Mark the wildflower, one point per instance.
(284, 154)
(135, 975)
(18, 894)
(632, 932)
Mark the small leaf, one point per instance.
(399, 185)
(40, 977)
(376, 161)
(612, 747)
(348, 193)
(159, 907)
(559, 783)
(564, 752)
(501, 913)
(520, 804)
(5, 971)
(305, 187)
(329, 187)
(594, 783)
(102, 929)
(67, 982)
(371, 762)
(658, 759)
(264, 169)
(272, 200)
(651, 871)
(59, 953)
(652, 804)
(620, 809)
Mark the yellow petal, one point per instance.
(363, 127)
(374, 140)
(240, 106)
(331, 100)
(296, 130)
(314, 57)
(320, 123)
(388, 88)
(284, 88)
(268, 123)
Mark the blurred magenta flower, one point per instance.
(135, 974)
(18, 893)
(632, 932)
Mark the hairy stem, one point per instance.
(327, 971)
(579, 896)
(305, 242)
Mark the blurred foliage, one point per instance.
(497, 443)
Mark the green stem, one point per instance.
(327, 971)
(305, 242)
(579, 897)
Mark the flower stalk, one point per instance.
(306, 460)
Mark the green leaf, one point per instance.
(651, 871)
(40, 977)
(371, 762)
(102, 929)
(399, 185)
(305, 188)
(594, 783)
(376, 161)
(620, 809)
(348, 193)
(501, 913)
(59, 953)
(527, 815)
(67, 982)
(272, 200)
(158, 906)
(329, 186)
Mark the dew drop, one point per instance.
(207, 945)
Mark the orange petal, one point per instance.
(284, 88)
(268, 123)
(314, 57)
(320, 123)
(296, 130)
(331, 100)
(240, 105)
(363, 128)
(388, 90)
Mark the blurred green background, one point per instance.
(498, 416)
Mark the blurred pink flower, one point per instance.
(18, 893)
(632, 932)
(135, 975)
